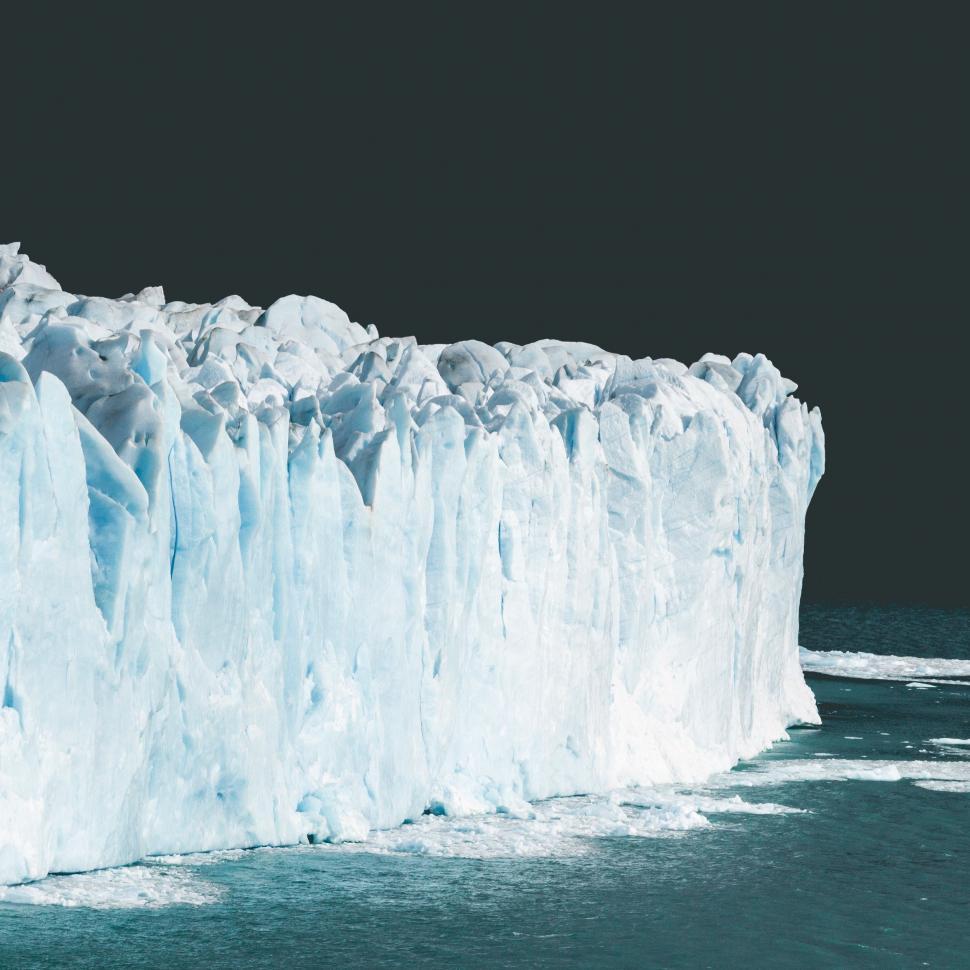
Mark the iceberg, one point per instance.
(268, 577)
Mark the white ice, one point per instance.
(874, 666)
(562, 826)
(131, 887)
(267, 576)
(782, 772)
(957, 787)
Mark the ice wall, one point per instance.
(267, 576)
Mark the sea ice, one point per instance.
(956, 787)
(782, 772)
(128, 887)
(875, 666)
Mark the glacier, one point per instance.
(268, 577)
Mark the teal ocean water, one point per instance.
(847, 846)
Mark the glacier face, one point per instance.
(266, 575)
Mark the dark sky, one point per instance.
(791, 180)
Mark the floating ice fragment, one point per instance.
(949, 786)
(872, 666)
(843, 769)
(131, 887)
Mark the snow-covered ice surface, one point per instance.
(266, 575)
(874, 666)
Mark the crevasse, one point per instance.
(266, 576)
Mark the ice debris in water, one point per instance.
(560, 827)
(785, 771)
(267, 576)
(131, 887)
(874, 666)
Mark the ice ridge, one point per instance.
(269, 577)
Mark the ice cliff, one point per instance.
(266, 575)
